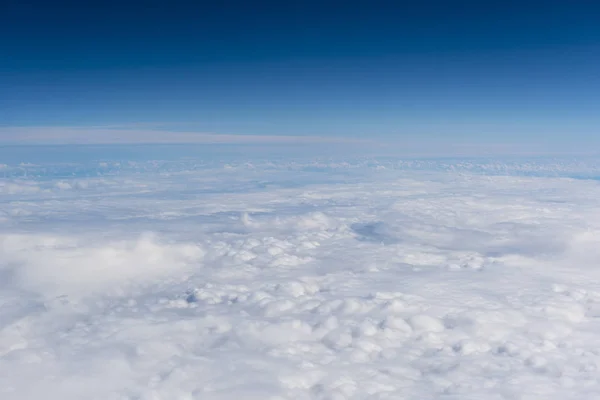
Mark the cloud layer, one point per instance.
(308, 280)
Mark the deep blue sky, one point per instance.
(481, 71)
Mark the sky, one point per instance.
(480, 73)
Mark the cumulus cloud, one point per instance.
(310, 279)
(55, 265)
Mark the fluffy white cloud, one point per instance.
(57, 265)
(307, 280)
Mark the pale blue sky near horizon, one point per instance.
(518, 73)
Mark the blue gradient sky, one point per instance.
(507, 72)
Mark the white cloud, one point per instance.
(55, 265)
(313, 279)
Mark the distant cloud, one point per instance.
(403, 144)
(138, 134)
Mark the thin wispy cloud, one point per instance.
(143, 133)
(407, 145)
